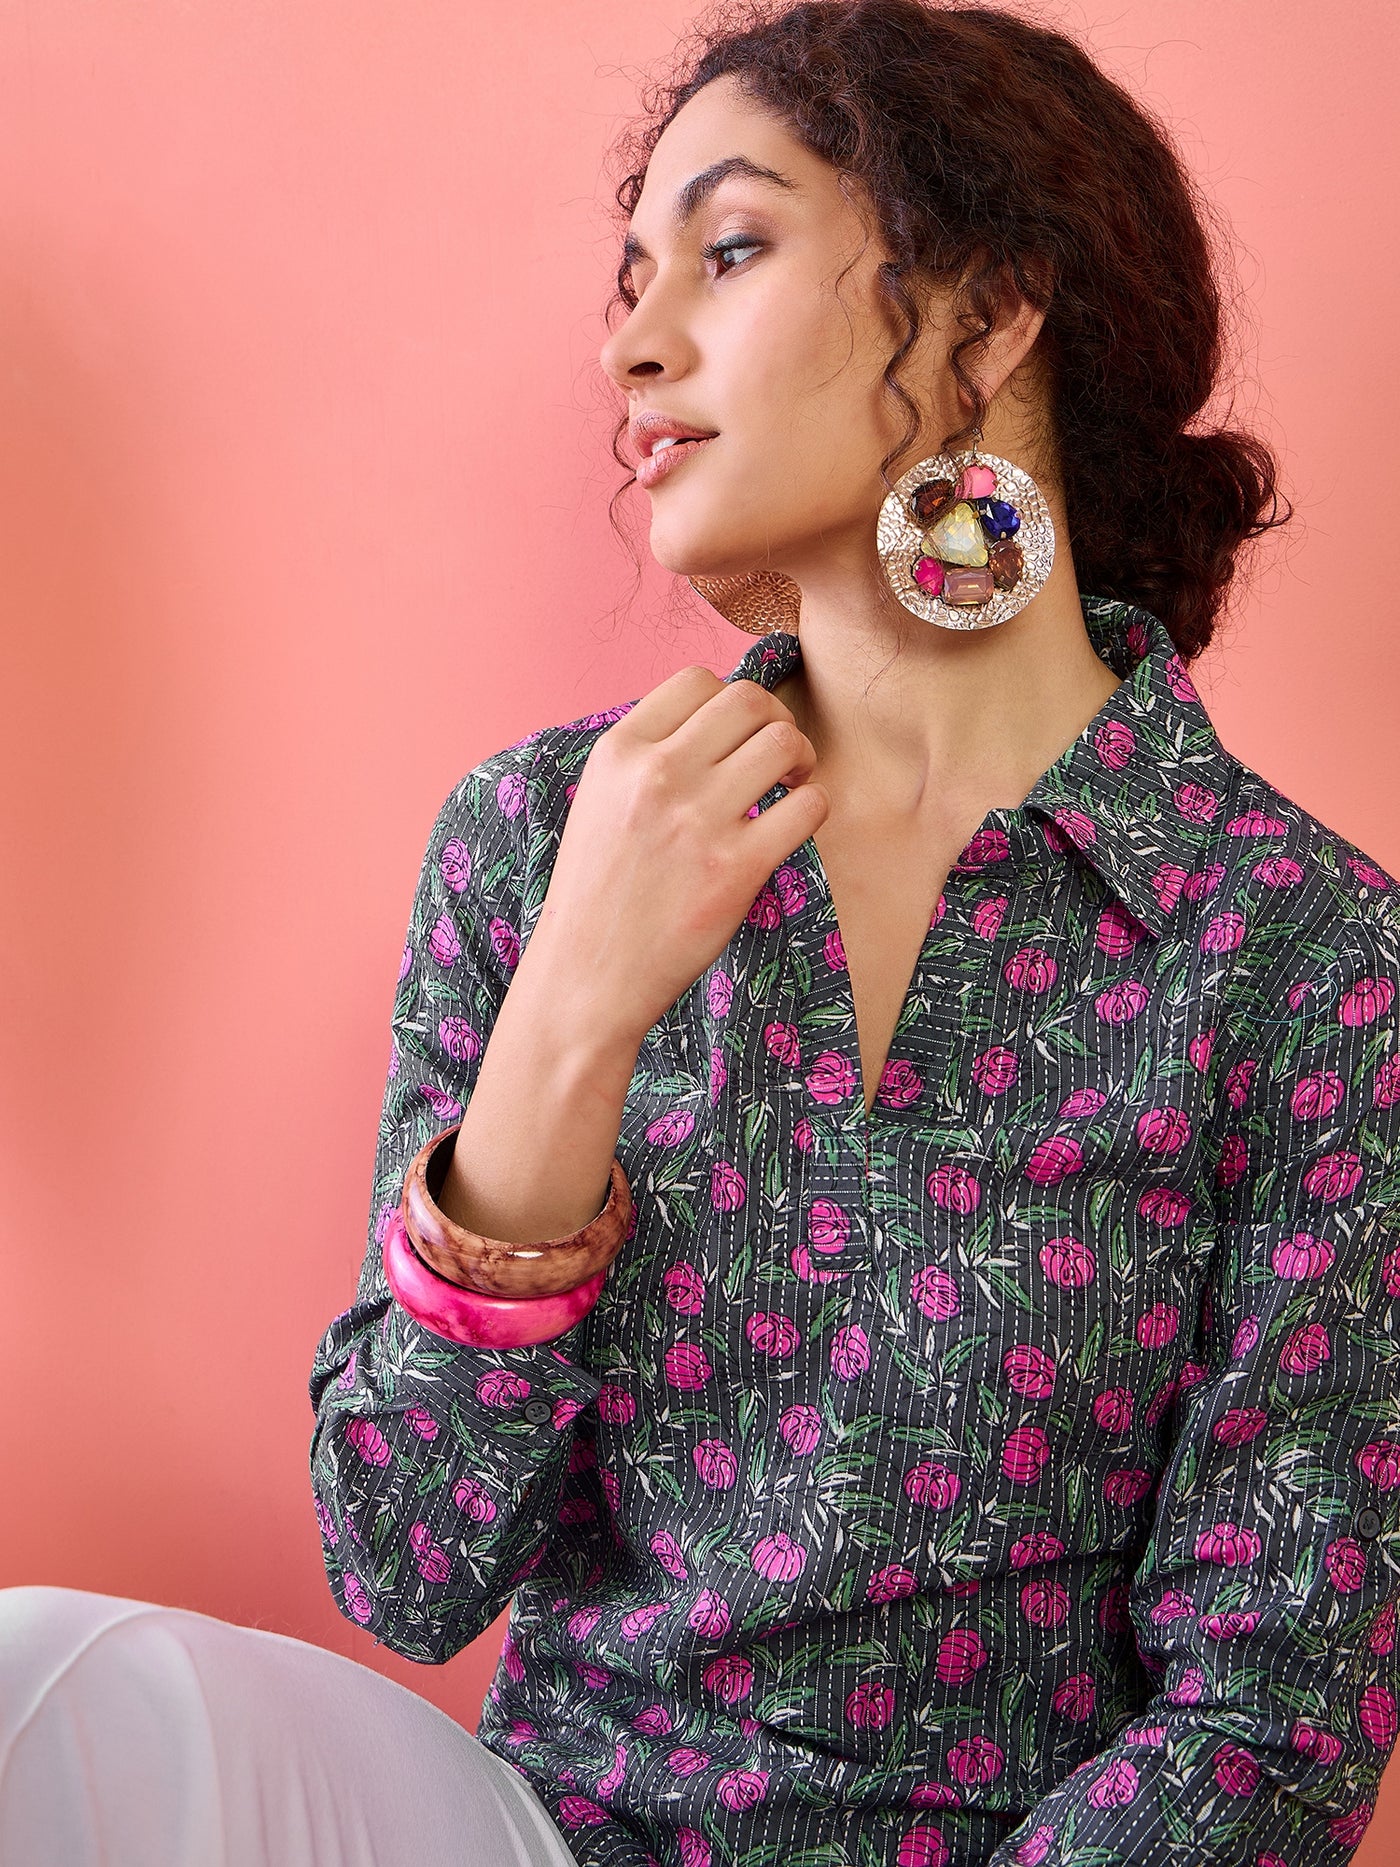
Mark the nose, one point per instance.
(653, 340)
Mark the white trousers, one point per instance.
(139, 1736)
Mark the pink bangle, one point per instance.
(467, 1317)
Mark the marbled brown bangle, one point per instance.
(492, 1267)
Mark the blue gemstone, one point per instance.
(999, 519)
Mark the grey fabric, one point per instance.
(133, 1735)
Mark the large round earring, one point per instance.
(965, 540)
(760, 602)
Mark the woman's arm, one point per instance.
(1265, 1602)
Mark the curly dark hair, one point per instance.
(994, 151)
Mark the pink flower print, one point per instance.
(1203, 884)
(1366, 1001)
(1164, 1130)
(710, 1615)
(366, 1439)
(922, 1846)
(1053, 1159)
(1223, 933)
(684, 1760)
(1199, 1049)
(1158, 1326)
(616, 1775)
(995, 1070)
(1117, 931)
(810, 1273)
(345, 1380)
(803, 1135)
(498, 1388)
(772, 1333)
(1239, 1426)
(429, 1558)
(935, 1293)
(422, 1423)
(510, 794)
(720, 995)
(834, 951)
(1382, 1636)
(687, 1366)
(1316, 1095)
(1164, 1205)
(1029, 1370)
(1125, 1487)
(596, 1678)
(729, 1676)
(1086, 1101)
(932, 1484)
(1045, 1603)
(987, 916)
(667, 1552)
(695, 1849)
(1113, 1409)
(639, 1621)
(1306, 1349)
(1245, 1337)
(954, 1189)
(850, 1352)
(357, 1602)
(1035, 1847)
(781, 1043)
(765, 912)
(443, 942)
(976, 1759)
(1302, 1255)
(684, 1288)
(455, 864)
(742, 1789)
(1025, 1454)
(1198, 804)
(1068, 1262)
(778, 1557)
(801, 1428)
(892, 1583)
(828, 1226)
(472, 1497)
(1031, 969)
(582, 1623)
(1121, 1002)
(987, 846)
(1335, 1176)
(505, 943)
(1277, 872)
(1380, 1461)
(461, 1042)
(1347, 1830)
(1071, 829)
(1228, 1544)
(1312, 1741)
(405, 962)
(327, 1523)
(831, 1078)
(1035, 1546)
(935, 1796)
(615, 1404)
(444, 1106)
(1376, 1714)
(1346, 1564)
(653, 1720)
(961, 1653)
(869, 1707)
(900, 1085)
(671, 1129)
(728, 1187)
(1385, 1091)
(1236, 1770)
(716, 1464)
(791, 889)
(1114, 1788)
(581, 1812)
(1074, 1697)
(1234, 1161)
(1115, 743)
(1190, 1688)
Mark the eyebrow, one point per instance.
(692, 195)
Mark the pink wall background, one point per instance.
(303, 474)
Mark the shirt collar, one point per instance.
(1137, 793)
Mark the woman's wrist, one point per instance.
(468, 1317)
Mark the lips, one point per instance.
(663, 461)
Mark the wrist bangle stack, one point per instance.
(484, 1292)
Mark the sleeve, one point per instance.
(436, 1468)
(1264, 1605)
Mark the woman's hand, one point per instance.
(659, 861)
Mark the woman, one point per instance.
(943, 1108)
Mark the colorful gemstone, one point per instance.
(977, 483)
(928, 573)
(958, 537)
(1006, 563)
(999, 520)
(968, 585)
(928, 500)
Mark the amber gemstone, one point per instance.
(930, 499)
(971, 584)
(957, 537)
(1006, 563)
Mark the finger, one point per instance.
(775, 832)
(728, 720)
(670, 703)
(779, 753)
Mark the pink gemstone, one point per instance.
(977, 483)
(968, 584)
(928, 572)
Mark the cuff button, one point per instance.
(538, 1411)
(1368, 1522)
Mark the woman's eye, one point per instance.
(726, 249)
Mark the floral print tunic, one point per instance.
(1007, 1477)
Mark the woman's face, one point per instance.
(761, 346)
